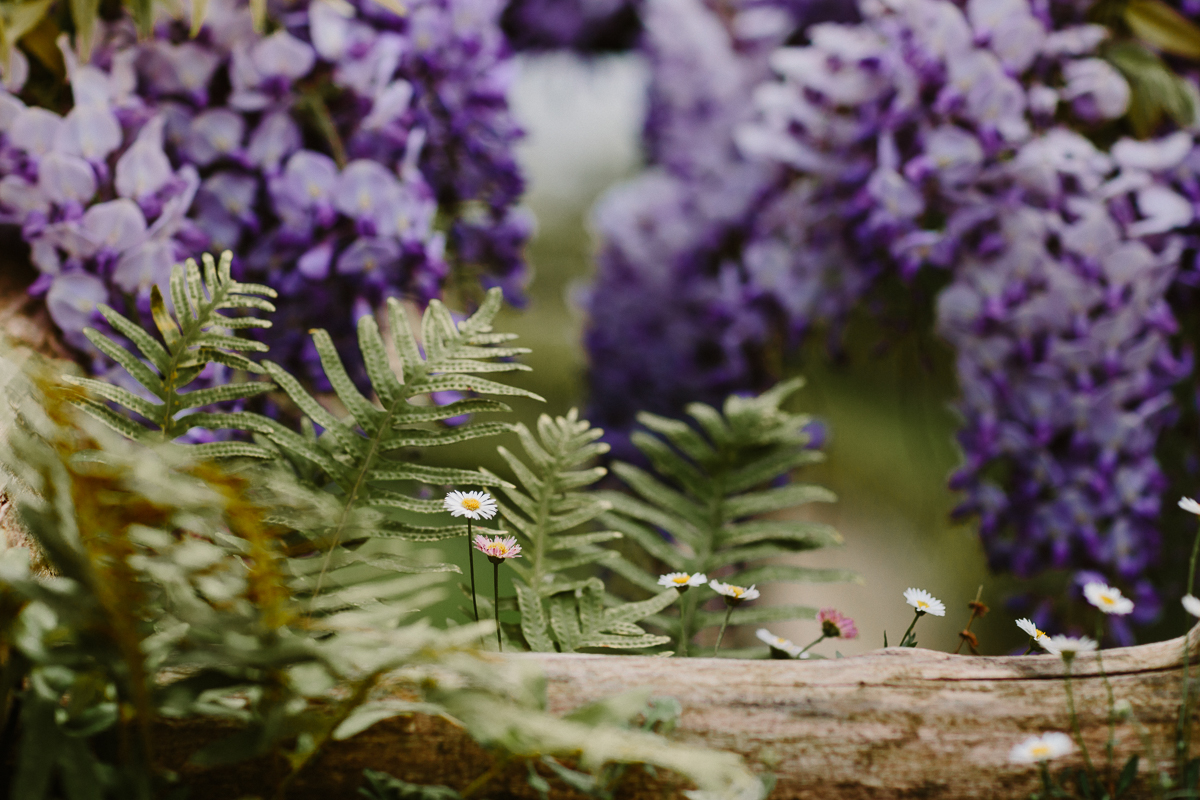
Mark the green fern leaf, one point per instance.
(543, 513)
(362, 453)
(706, 490)
(190, 341)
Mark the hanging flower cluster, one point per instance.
(350, 155)
(931, 135)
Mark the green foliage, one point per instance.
(366, 453)
(381, 786)
(175, 596)
(546, 514)
(708, 491)
(191, 339)
(1155, 89)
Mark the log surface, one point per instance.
(894, 723)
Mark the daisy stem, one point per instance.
(812, 644)
(471, 561)
(496, 601)
(721, 635)
(911, 625)
(686, 617)
(1087, 759)
(1112, 708)
(1183, 737)
(1029, 649)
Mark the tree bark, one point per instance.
(895, 723)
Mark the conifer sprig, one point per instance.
(709, 486)
(546, 513)
(196, 335)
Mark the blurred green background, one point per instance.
(891, 446)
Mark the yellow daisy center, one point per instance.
(736, 591)
(922, 604)
(1107, 600)
(1038, 634)
(470, 504)
(500, 548)
(681, 578)
(1040, 751)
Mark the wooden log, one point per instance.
(894, 723)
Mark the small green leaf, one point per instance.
(1163, 28)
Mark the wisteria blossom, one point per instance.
(791, 184)
(348, 156)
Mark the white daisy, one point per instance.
(735, 594)
(1068, 646)
(778, 642)
(1031, 629)
(1189, 505)
(1041, 748)
(1191, 604)
(1107, 598)
(472, 505)
(924, 602)
(682, 580)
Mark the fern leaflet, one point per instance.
(363, 452)
(546, 514)
(708, 488)
(191, 340)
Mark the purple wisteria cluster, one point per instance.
(349, 155)
(673, 319)
(953, 137)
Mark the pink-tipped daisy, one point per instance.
(1107, 598)
(472, 505)
(835, 624)
(498, 549)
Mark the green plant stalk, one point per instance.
(1112, 710)
(496, 601)
(1087, 759)
(687, 617)
(724, 624)
(471, 561)
(911, 625)
(812, 644)
(1183, 737)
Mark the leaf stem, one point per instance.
(471, 561)
(724, 624)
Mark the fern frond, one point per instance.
(363, 453)
(191, 340)
(707, 486)
(545, 513)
